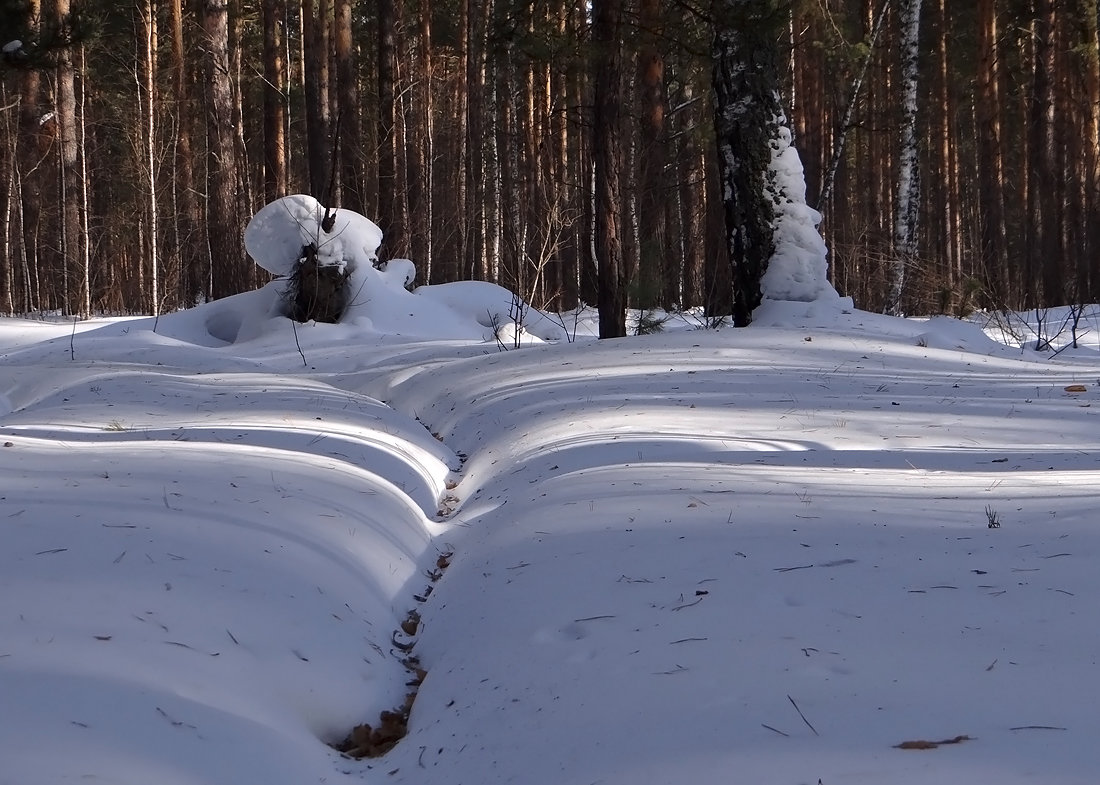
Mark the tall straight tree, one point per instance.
(659, 275)
(147, 99)
(350, 132)
(30, 150)
(315, 34)
(71, 175)
(747, 111)
(223, 224)
(274, 58)
(390, 196)
(1044, 240)
(1089, 172)
(185, 207)
(987, 108)
(607, 18)
(906, 207)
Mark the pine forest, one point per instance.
(951, 146)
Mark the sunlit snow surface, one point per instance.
(736, 556)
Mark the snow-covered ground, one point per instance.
(735, 556)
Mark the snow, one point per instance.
(798, 269)
(276, 234)
(757, 555)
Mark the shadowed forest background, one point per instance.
(138, 138)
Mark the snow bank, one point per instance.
(382, 295)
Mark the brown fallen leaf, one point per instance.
(1076, 388)
(929, 745)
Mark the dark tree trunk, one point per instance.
(987, 107)
(659, 275)
(222, 220)
(350, 131)
(390, 214)
(318, 125)
(275, 175)
(1045, 241)
(746, 111)
(607, 154)
(186, 207)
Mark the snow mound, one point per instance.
(383, 300)
(798, 267)
(276, 234)
(504, 315)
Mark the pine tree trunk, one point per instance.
(987, 102)
(608, 158)
(350, 131)
(949, 175)
(1045, 241)
(659, 273)
(185, 204)
(223, 224)
(390, 195)
(418, 121)
(274, 59)
(72, 185)
(1089, 180)
(315, 25)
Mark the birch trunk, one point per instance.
(906, 208)
(147, 102)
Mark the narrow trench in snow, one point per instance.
(367, 741)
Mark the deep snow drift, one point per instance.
(734, 556)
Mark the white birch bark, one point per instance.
(146, 91)
(905, 218)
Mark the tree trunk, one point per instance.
(746, 111)
(1044, 251)
(223, 224)
(948, 168)
(987, 103)
(32, 145)
(841, 134)
(607, 154)
(418, 124)
(275, 169)
(148, 103)
(658, 274)
(350, 131)
(185, 204)
(72, 185)
(905, 216)
(1090, 180)
(390, 194)
(315, 25)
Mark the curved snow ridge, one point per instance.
(237, 589)
(247, 411)
(392, 462)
